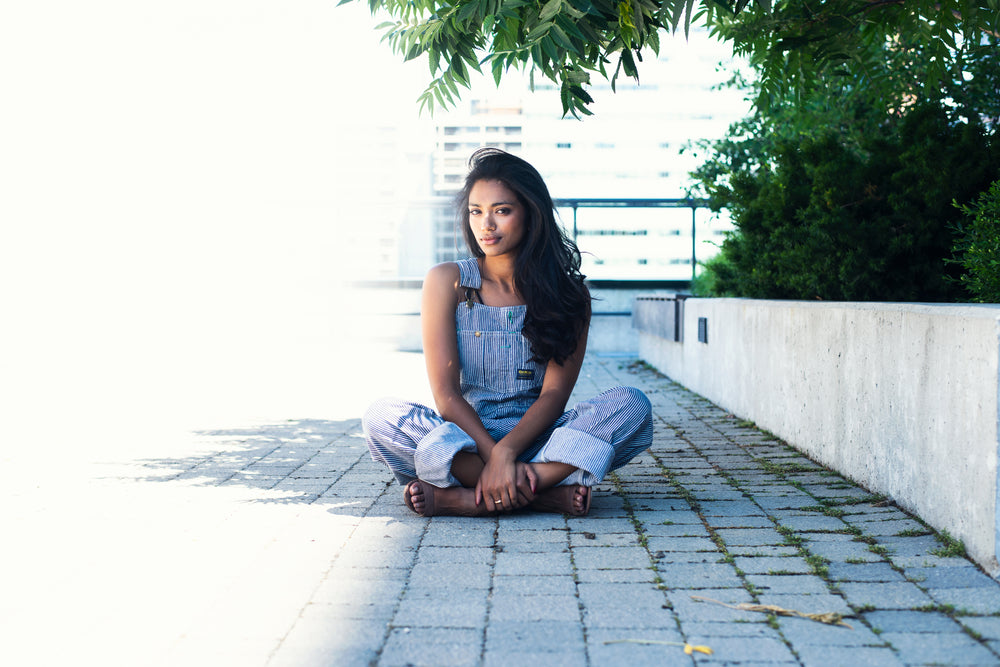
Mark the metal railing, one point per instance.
(694, 204)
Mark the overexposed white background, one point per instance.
(173, 195)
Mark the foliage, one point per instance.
(855, 210)
(978, 247)
(792, 43)
(718, 272)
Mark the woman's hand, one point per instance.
(527, 483)
(505, 483)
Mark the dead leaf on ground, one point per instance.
(829, 618)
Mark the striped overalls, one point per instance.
(500, 381)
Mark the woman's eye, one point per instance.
(474, 212)
(503, 211)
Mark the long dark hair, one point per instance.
(547, 268)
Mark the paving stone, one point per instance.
(604, 539)
(749, 650)
(911, 621)
(617, 595)
(604, 558)
(455, 555)
(534, 563)
(534, 585)
(763, 551)
(750, 536)
(889, 527)
(824, 603)
(699, 575)
(616, 646)
(650, 618)
(950, 577)
(671, 544)
(731, 508)
(885, 595)
(637, 575)
(969, 600)
(469, 612)
(801, 632)
(650, 518)
(842, 552)
(870, 572)
(687, 608)
(528, 547)
(797, 501)
(986, 626)
(759, 521)
(927, 561)
(940, 649)
(503, 657)
(597, 525)
(675, 530)
(431, 647)
(446, 576)
(798, 584)
(817, 655)
(663, 559)
(446, 532)
(812, 523)
(703, 632)
(310, 642)
(534, 608)
(772, 565)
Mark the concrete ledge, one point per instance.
(902, 398)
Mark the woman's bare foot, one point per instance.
(573, 499)
(428, 500)
(417, 499)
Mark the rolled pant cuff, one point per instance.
(436, 451)
(590, 455)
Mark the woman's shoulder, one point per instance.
(462, 273)
(443, 281)
(445, 272)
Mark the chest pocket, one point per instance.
(499, 362)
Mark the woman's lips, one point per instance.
(489, 240)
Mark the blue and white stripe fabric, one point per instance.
(501, 382)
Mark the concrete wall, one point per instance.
(902, 398)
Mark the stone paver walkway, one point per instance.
(287, 545)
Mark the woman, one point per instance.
(504, 335)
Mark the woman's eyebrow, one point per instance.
(499, 203)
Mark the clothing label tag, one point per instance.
(525, 374)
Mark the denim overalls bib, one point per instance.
(498, 377)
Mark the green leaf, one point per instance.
(550, 9)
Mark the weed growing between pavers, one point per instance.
(950, 547)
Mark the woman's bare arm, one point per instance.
(439, 299)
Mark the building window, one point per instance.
(564, 145)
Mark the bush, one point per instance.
(833, 212)
(978, 247)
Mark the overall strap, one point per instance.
(471, 280)
(469, 270)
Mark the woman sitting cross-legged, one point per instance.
(504, 335)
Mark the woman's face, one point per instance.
(496, 218)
